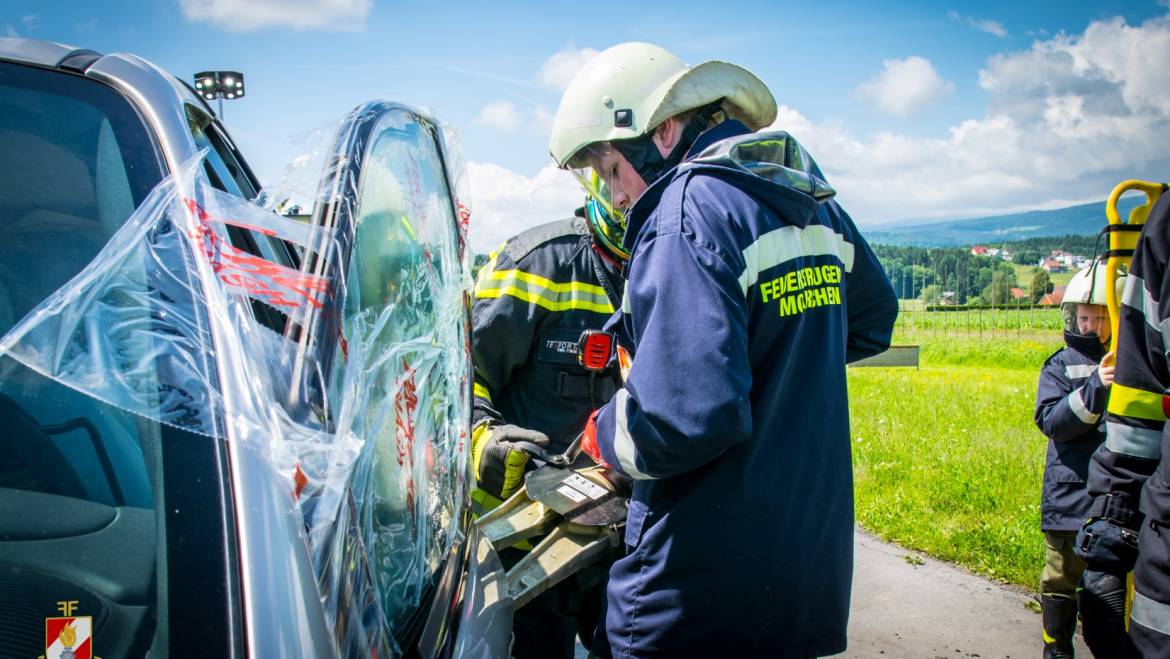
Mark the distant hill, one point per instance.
(1086, 219)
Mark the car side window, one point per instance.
(226, 172)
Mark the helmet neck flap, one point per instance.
(643, 154)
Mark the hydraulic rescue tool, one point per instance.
(571, 508)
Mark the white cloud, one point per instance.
(30, 22)
(1067, 119)
(983, 25)
(558, 70)
(905, 86)
(504, 203)
(501, 115)
(243, 15)
(10, 31)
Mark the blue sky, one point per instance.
(914, 109)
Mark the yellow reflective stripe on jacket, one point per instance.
(479, 437)
(548, 284)
(546, 293)
(490, 266)
(1135, 403)
(480, 391)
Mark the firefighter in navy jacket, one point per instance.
(1070, 408)
(748, 290)
(1128, 525)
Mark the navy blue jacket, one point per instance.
(748, 290)
(1070, 410)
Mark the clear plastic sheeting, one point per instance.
(350, 373)
(159, 323)
(398, 373)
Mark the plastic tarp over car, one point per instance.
(360, 402)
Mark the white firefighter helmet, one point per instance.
(1088, 286)
(628, 90)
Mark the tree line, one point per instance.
(955, 275)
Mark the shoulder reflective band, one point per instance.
(1135, 403)
(1079, 370)
(543, 292)
(788, 243)
(480, 391)
(1138, 442)
(1078, 407)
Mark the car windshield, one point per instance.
(79, 482)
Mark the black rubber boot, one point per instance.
(1102, 605)
(1060, 624)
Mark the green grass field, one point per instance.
(947, 459)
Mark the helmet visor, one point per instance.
(595, 168)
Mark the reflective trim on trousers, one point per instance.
(1138, 442)
(1150, 613)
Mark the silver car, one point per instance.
(227, 432)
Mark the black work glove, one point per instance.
(1101, 602)
(1107, 547)
(499, 456)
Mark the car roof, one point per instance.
(160, 97)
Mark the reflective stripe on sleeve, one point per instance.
(1078, 407)
(626, 307)
(1136, 403)
(1079, 370)
(790, 242)
(481, 391)
(623, 443)
(1150, 613)
(554, 296)
(1138, 442)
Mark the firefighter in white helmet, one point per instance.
(748, 290)
(1070, 403)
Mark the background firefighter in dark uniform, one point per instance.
(533, 299)
(1128, 526)
(1070, 409)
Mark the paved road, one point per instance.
(901, 609)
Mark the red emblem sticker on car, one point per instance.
(68, 636)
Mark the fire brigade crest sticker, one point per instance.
(69, 636)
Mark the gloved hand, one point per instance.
(589, 440)
(1101, 602)
(1107, 547)
(497, 461)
